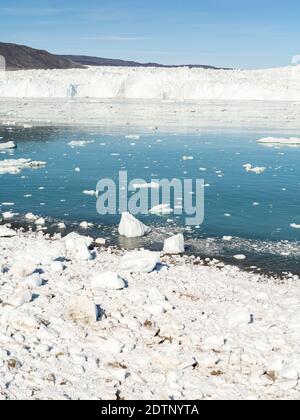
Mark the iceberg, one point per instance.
(132, 227)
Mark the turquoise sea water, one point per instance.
(256, 210)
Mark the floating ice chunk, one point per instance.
(161, 209)
(150, 185)
(86, 225)
(108, 280)
(100, 241)
(139, 261)
(31, 217)
(77, 169)
(7, 215)
(90, 192)
(80, 143)
(15, 166)
(257, 170)
(8, 145)
(240, 257)
(174, 245)
(132, 227)
(227, 238)
(295, 226)
(132, 137)
(61, 226)
(81, 310)
(5, 232)
(40, 222)
(280, 140)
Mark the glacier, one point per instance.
(154, 83)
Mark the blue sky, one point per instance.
(231, 33)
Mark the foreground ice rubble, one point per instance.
(184, 330)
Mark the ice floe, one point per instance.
(161, 209)
(80, 143)
(255, 169)
(280, 140)
(15, 166)
(7, 145)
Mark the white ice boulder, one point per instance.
(23, 266)
(20, 298)
(31, 217)
(31, 282)
(78, 246)
(5, 232)
(174, 245)
(139, 261)
(132, 227)
(111, 347)
(81, 310)
(108, 280)
(21, 321)
(100, 241)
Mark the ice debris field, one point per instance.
(79, 321)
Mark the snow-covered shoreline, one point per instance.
(276, 84)
(185, 330)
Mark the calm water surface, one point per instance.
(256, 210)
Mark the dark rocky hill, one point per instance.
(20, 57)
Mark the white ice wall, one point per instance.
(154, 83)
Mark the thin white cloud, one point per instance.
(113, 38)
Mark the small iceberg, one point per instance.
(15, 166)
(161, 209)
(257, 169)
(80, 143)
(8, 145)
(132, 227)
(280, 140)
(174, 245)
